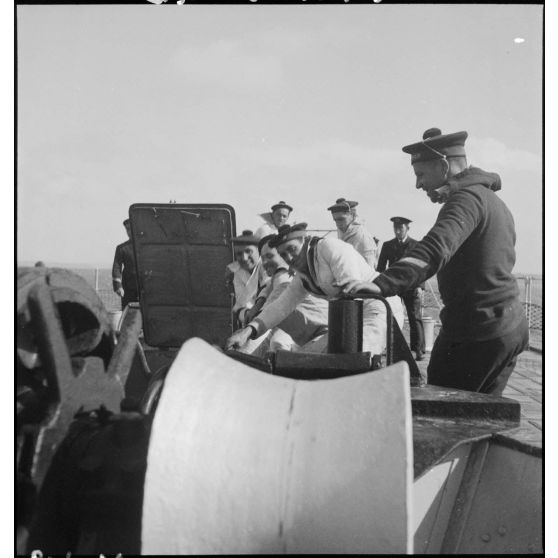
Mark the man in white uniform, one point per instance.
(280, 213)
(305, 324)
(245, 276)
(352, 230)
(320, 264)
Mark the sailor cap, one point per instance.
(435, 145)
(400, 220)
(342, 204)
(288, 232)
(281, 205)
(247, 238)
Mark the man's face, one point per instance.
(280, 216)
(290, 250)
(246, 256)
(342, 219)
(400, 231)
(430, 175)
(271, 260)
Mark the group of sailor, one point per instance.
(283, 276)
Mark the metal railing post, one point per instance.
(389, 317)
(528, 296)
(396, 345)
(434, 295)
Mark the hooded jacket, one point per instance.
(472, 249)
(363, 241)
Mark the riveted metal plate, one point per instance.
(181, 252)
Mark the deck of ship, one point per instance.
(525, 386)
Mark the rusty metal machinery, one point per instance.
(67, 369)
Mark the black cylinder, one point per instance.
(345, 326)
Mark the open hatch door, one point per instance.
(181, 253)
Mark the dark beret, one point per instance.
(247, 238)
(435, 145)
(263, 241)
(400, 220)
(281, 205)
(288, 232)
(342, 204)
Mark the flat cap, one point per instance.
(435, 145)
(281, 205)
(288, 232)
(400, 220)
(342, 204)
(247, 238)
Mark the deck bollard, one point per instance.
(345, 326)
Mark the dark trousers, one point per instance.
(483, 366)
(129, 296)
(412, 302)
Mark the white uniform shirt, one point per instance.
(362, 240)
(246, 284)
(336, 263)
(264, 230)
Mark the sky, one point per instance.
(252, 104)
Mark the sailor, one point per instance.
(351, 229)
(321, 265)
(279, 215)
(246, 277)
(392, 251)
(124, 281)
(306, 323)
(471, 248)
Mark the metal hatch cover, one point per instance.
(181, 253)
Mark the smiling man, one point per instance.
(306, 324)
(471, 247)
(243, 274)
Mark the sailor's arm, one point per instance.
(458, 218)
(271, 315)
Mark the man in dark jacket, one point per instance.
(471, 248)
(392, 251)
(124, 281)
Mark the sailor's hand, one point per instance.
(250, 314)
(238, 338)
(120, 291)
(354, 287)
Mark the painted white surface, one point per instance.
(434, 496)
(244, 462)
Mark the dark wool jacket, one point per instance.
(393, 250)
(124, 268)
(471, 248)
